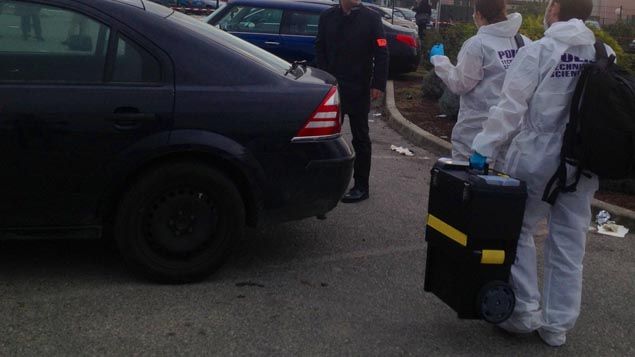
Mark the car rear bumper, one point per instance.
(404, 59)
(317, 186)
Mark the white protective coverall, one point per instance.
(535, 100)
(478, 77)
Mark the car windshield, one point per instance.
(245, 48)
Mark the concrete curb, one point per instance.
(430, 142)
(410, 131)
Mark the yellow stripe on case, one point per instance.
(447, 230)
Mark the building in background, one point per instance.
(609, 11)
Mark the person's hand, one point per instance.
(477, 161)
(437, 50)
(375, 94)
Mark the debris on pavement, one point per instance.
(602, 217)
(402, 150)
(610, 228)
(442, 116)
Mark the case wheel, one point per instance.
(496, 302)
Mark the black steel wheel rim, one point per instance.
(180, 223)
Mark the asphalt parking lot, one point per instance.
(349, 285)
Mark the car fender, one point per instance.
(185, 144)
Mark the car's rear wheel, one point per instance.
(175, 223)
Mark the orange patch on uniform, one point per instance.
(381, 42)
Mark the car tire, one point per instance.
(175, 224)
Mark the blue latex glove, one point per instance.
(477, 161)
(437, 50)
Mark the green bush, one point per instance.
(532, 27)
(452, 38)
(449, 104)
(623, 32)
(432, 87)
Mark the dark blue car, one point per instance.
(130, 120)
(287, 28)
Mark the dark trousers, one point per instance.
(363, 148)
(27, 20)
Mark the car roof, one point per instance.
(135, 3)
(286, 4)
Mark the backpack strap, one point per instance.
(519, 40)
(551, 192)
(601, 56)
(600, 50)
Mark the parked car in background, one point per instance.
(192, 4)
(387, 14)
(407, 14)
(287, 28)
(631, 47)
(163, 131)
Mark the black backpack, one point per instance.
(600, 135)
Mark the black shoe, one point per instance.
(355, 195)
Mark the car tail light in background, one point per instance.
(408, 40)
(325, 122)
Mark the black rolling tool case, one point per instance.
(472, 230)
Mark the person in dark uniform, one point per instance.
(423, 14)
(351, 45)
(30, 18)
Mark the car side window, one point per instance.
(252, 19)
(134, 64)
(45, 43)
(301, 23)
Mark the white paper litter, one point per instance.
(442, 116)
(402, 150)
(376, 114)
(612, 229)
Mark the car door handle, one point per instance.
(272, 43)
(133, 117)
(129, 118)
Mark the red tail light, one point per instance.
(408, 40)
(325, 121)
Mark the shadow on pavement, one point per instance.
(99, 260)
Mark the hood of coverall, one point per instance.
(573, 32)
(507, 28)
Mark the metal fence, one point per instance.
(607, 15)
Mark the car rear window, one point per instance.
(225, 39)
